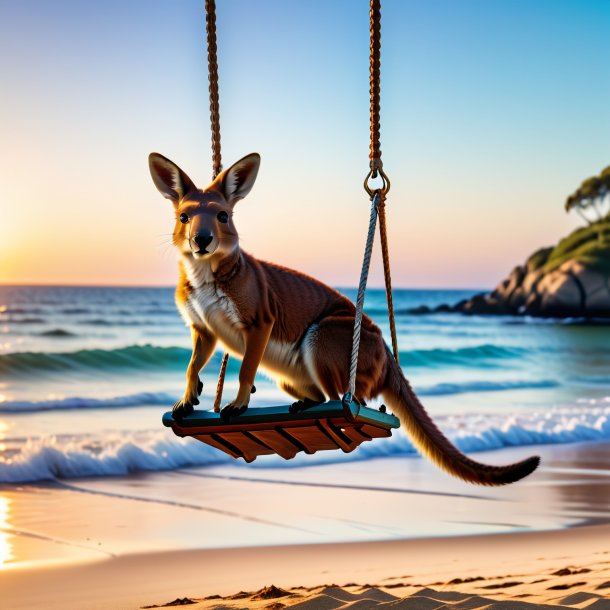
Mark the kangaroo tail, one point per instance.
(432, 443)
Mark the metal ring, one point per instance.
(385, 188)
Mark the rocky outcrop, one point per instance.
(570, 280)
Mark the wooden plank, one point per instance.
(292, 439)
(376, 431)
(355, 434)
(337, 436)
(312, 438)
(248, 445)
(264, 431)
(281, 445)
(279, 415)
(213, 441)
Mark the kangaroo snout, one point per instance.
(202, 239)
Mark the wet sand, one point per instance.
(394, 524)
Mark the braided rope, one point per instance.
(374, 85)
(377, 206)
(210, 29)
(364, 274)
(221, 382)
(387, 275)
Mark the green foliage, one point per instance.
(589, 191)
(589, 245)
(538, 259)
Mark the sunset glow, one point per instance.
(484, 133)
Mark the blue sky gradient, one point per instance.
(492, 113)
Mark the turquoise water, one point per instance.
(85, 374)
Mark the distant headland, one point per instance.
(568, 280)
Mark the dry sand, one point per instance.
(570, 568)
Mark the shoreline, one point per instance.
(398, 524)
(234, 505)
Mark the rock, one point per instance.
(560, 292)
(444, 309)
(571, 279)
(596, 286)
(422, 309)
(551, 283)
(481, 304)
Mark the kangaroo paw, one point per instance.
(232, 409)
(183, 408)
(185, 405)
(199, 386)
(303, 405)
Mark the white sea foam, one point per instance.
(118, 454)
(143, 399)
(76, 402)
(109, 455)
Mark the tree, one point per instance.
(593, 195)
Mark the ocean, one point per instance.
(86, 374)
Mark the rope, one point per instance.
(377, 206)
(210, 29)
(387, 275)
(375, 88)
(364, 274)
(221, 382)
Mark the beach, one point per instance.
(492, 198)
(103, 507)
(389, 524)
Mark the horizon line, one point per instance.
(148, 286)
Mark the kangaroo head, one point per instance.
(204, 217)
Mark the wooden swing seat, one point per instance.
(275, 430)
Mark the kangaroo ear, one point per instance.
(171, 181)
(237, 181)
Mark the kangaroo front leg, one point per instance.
(256, 343)
(204, 343)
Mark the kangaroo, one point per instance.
(295, 327)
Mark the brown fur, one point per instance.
(293, 325)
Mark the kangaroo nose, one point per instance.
(203, 239)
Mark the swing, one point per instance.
(337, 424)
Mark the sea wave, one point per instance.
(115, 454)
(120, 453)
(122, 321)
(442, 389)
(140, 399)
(22, 320)
(145, 357)
(21, 310)
(130, 357)
(483, 355)
(57, 332)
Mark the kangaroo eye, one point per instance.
(184, 218)
(222, 217)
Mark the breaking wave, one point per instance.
(121, 453)
(145, 357)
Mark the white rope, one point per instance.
(364, 274)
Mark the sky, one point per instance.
(492, 113)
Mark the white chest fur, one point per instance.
(208, 305)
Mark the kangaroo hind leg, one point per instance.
(307, 395)
(329, 351)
